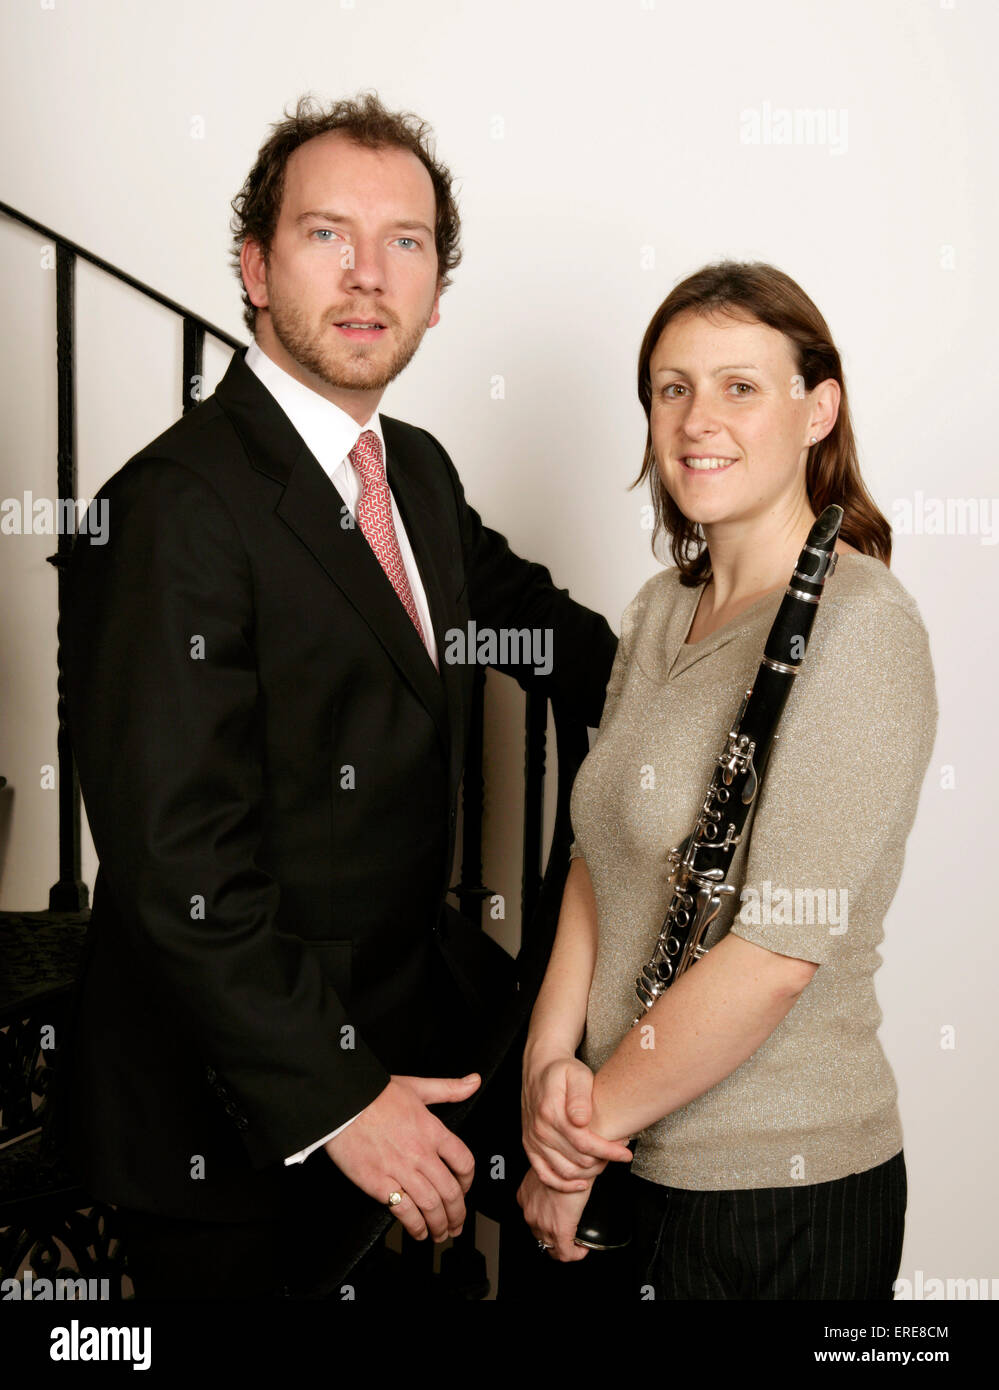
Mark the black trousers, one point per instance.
(207, 1260)
(835, 1240)
(174, 1259)
(831, 1240)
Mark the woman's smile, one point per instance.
(706, 463)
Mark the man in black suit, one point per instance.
(270, 743)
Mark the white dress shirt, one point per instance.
(330, 434)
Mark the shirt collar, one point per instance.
(329, 432)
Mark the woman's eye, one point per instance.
(673, 386)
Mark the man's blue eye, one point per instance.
(321, 230)
(411, 240)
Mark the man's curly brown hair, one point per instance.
(257, 205)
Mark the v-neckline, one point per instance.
(716, 631)
(687, 653)
(764, 598)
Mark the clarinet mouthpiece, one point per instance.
(823, 534)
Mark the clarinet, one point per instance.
(700, 864)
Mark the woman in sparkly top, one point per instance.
(769, 1157)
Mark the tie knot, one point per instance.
(366, 456)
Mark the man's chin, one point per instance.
(360, 375)
(360, 367)
(370, 380)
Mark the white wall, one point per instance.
(600, 155)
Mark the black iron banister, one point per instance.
(538, 933)
(470, 890)
(535, 731)
(123, 276)
(194, 358)
(70, 893)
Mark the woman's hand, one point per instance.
(556, 1108)
(553, 1216)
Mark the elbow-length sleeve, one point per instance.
(839, 798)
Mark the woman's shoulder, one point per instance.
(870, 648)
(863, 590)
(660, 591)
(654, 601)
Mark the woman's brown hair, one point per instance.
(755, 290)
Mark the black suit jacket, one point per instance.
(270, 765)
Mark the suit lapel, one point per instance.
(311, 507)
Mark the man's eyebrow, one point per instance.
(328, 215)
(732, 367)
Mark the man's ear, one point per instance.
(253, 268)
(435, 313)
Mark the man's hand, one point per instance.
(556, 1108)
(396, 1145)
(553, 1216)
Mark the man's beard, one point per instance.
(342, 364)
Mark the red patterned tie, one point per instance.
(374, 516)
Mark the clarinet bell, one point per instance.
(606, 1222)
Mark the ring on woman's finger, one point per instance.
(543, 1246)
(394, 1199)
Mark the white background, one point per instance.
(600, 158)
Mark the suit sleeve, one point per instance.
(163, 710)
(508, 592)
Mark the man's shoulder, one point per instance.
(200, 434)
(421, 455)
(190, 431)
(201, 445)
(400, 434)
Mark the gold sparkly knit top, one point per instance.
(815, 872)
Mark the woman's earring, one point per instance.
(813, 440)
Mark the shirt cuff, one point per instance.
(303, 1154)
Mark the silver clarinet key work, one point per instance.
(695, 893)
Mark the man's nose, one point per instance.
(365, 266)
